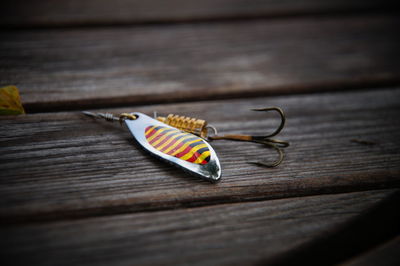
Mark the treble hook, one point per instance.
(266, 140)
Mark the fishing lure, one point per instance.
(181, 140)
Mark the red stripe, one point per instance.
(186, 150)
(151, 133)
(165, 140)
(191, 145)
(176, 148)
(157, 137)
(194, 157)
(169, 145)
(171, 136)
(147, 128)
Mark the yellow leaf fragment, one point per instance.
(10, 102)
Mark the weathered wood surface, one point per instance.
(375, 226)
(386, 254)
(66, 165)
(99, 67)
(103, 12)
(227, 234)
(76, 191)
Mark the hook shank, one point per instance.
(266, 139)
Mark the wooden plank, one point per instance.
(98, 67)
(369, 229)
(230, 234)
(385, 254)
(89, 12)
(66, 165)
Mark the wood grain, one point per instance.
(102, 12)
(371, 228)
(229, 234)
(66, 165)
(99, 67)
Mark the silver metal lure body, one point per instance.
(177, 147)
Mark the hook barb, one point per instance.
(282, 115)
(266, 139)
(273, 164)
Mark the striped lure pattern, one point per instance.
(184, 150)
(179, 144)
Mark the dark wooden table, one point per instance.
(79, 192)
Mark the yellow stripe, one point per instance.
(156, 134)
(169, 141)
(192, 151)
(150, 129)
(163, 137)
(185, 146)
(202, 157)
(177, 143)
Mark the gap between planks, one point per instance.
(242, 233)
(75, 167)
(190, 97)
(62, 69)
(44, 14)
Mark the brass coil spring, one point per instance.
(188, 124)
